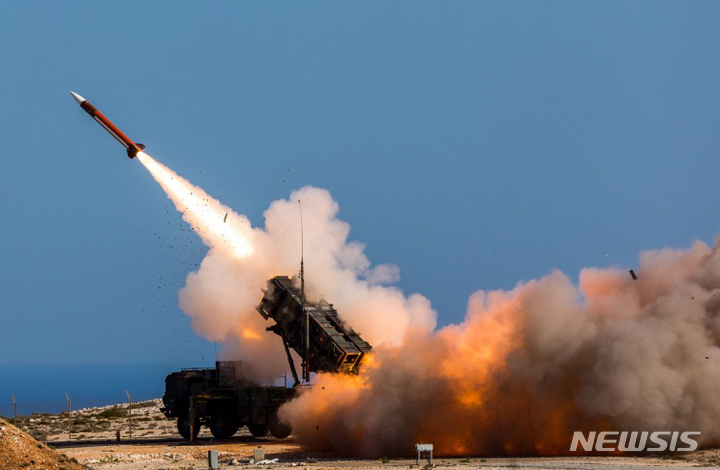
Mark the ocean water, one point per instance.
(42, 388)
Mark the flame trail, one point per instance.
(207, 216)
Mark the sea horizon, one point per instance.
(41, 388)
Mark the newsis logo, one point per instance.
(611, 441)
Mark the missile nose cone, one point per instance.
(79, 99)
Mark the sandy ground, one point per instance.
(237, 452)
(157, 454)
(90, 437)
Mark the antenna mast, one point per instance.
(306, 351)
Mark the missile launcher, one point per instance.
(333, 346)
(223, 399)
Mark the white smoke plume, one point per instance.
(222, 294)
(523, 371)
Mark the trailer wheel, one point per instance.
(183, 426)
(278, 429)
(258, 430)
(222, 425)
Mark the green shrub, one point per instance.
(112, 413)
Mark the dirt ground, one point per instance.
(237, 452)
(89, 437)
(18, 450)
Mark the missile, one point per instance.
(132, 147)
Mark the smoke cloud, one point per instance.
(522, 372)
(528, 367)
(222, 294)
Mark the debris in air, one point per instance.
(634, 276)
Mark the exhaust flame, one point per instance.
(206, 215)
(522, 372)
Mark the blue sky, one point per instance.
(473, 144)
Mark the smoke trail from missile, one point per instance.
(525, 369)
(206, 215)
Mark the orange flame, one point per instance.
(250, 335)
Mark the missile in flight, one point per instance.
(132, 147)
